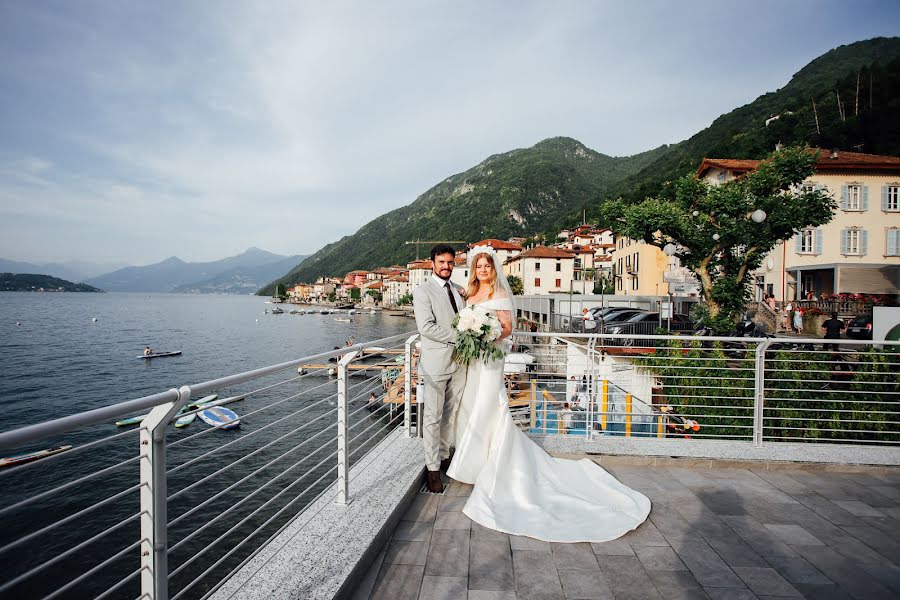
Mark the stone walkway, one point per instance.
(718, 533)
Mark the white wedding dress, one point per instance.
(519, 488)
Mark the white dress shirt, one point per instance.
(460, 303)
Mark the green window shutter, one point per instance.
(865, 197)
(884, 197)
(798, 243)
(863, 242)
(818, 241)
(844, 243)
(844, 197)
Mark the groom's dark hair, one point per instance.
(442, 249)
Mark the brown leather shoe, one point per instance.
(435, 486)
(445, 464)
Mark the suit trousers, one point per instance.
(442, 398)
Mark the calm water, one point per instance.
(58, 361)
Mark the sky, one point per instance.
(135, 131)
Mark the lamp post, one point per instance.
(670, 249)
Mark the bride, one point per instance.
(519, 488)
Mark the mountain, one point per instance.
(71, 270)
(745, 133)
(511, 194)
(544, 188)
(243, 273)
(30, 282)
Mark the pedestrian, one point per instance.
(833, 328)
(798, 321)
(787, 315)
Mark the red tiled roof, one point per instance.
(728, 164)
(842, 161)
(543, 252)
(375, 286)
(497, 244)
(421, 264)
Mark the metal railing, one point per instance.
(169, 509)
(760, 390)
(159, 511)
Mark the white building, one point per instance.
(543, 270)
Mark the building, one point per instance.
(638, 268)
(543, 270)
(857, 252)
(395, 288)
(419, 271)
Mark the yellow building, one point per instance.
(638, 268)
(857, 252)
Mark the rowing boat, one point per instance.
(161, 354)
(31, 456)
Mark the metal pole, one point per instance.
(759, 393)
(343, 456)
(154, 515)
(407, 387)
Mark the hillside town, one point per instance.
(858, 252)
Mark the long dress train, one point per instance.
(522, 490)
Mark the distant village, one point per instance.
(858, 252)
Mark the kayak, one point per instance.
(140, 418)
(160, 354)
(218, 415)
(25, 458)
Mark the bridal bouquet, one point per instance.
(476, 331)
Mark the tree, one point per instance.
(713, 227)
(515, 284)
(279, 291)
(405, 299)
(604, 286)
(355, 294)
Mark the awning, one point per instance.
(869, 280)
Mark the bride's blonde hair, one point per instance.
(474, 284)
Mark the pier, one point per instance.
(773, 467)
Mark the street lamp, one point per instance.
(669, 250)
(758, 215)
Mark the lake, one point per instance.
(55, 360)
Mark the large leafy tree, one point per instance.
(712, 228)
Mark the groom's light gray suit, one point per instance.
(444, 379)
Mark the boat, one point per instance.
(340, 320)
(220, 417)
(21, 459)
(352, 311)
(277, 311)
(324, 311)
(160, 354)
(372, 312)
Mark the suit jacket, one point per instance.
(434, 320)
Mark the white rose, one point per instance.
(466, 320)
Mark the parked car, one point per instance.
(646, 324)
(607, 314)
(860, 328)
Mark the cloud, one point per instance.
(287, 125)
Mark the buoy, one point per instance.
(94, 320)
(18, 324)
(257, 320)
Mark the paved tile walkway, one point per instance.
(713, 533)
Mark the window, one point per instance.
(808, 187)
(809, 241)
(559, 283)
(537, 282)
(559, 266)
(893, 242)
(634, 283)
(855, 196)
(721, 176)
(890, 197)
(636, 257)
(537, 265)
(854, 241)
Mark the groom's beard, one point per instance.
(441, 274)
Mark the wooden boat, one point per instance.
(161, 354)
(339, 320)
(21, 459)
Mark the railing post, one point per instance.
(343, 456)
(604, 404)
(627, 415)
(759, 392)
(154, 514)
(407, 387)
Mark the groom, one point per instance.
(436, 303)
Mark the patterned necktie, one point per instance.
(452, 299)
